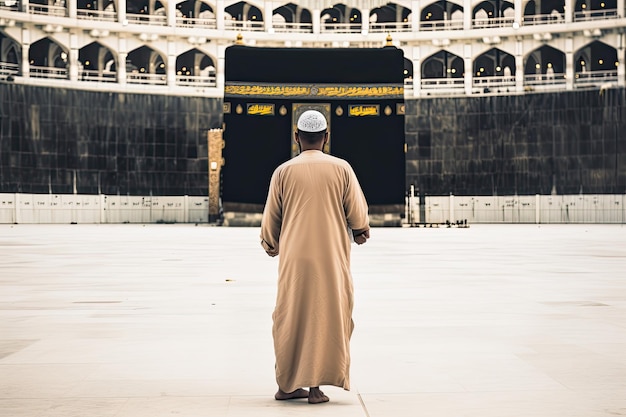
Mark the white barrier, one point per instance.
(72, 208)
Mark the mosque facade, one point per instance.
(500, 98)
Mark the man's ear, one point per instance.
(296, 137)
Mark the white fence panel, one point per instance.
(550, 209)
(198, 209)
(486, 210)
(516, 209)
(437, 209)
(7, 209)
(167, 210)
(128, 209)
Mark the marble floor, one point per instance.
(175, 320)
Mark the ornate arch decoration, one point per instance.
(292, 13)
(46, 52)
(408, 68)
(493, 8)
(97, 62)
(244, 11)
(10, 50)
(194, 9)
(390, 13)
(544, 60)
(195, 62)
(596, 56)
(340, 13)
(146, 60)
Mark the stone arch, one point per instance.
(494, 62)
(194, 62)
(292, 13)
(443, 64)
(47, 52)
(243, 11)
(146, 60)
(595, 56)
(544, 60)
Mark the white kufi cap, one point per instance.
(312, 121)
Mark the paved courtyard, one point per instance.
(175, 320)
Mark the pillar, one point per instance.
(216, 161)
(219, 70)
(268, 14)
(621, 66)
(569, 64)
(620, 8)
(121, 68)
(71, 9)
(569, 11)
(417, 76)
(519, 67)
(415, 16)
(25, 52)
(519, 11)
(121, 12)
(219, 14)
(469, 70)
(317, 20)
(171, 13)
(365, 21)
(467, 16)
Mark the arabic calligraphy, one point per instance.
(338, 91)
(261, 109)
(364, 110)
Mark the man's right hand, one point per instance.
(362, 237)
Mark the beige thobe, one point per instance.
(313, 201)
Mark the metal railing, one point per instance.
(494, 81)
(545, 79)
(595, 77)
(384, 27)
(330, 27)
(441, 24)
(145, 78)
(443, 86)
(34, 8)
(249, 25)
(494, 22)
(196, 80)
(284, 27)
(48, 72)
(9, 5)
(196, 22)
(542, 19)
(146, 19)
(104, 15)
(586, 15)
(9, 68)
(97, 76)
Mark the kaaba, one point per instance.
(361, 93)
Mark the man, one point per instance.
(314, 207)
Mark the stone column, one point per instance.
(121, 67)
(519, 11)
(171, 63)
(569, 11)
(73, 57)
(365, 21)
(71, 9)
(25, 53)
(316, 18)
(417, 77)
(171, 13)
(621, 66)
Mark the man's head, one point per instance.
(312, 128)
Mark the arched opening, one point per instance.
(48, 59)
(493, 13)
(596, 62)
(408, 73)
(389, 17)
(93, 63)
(443, 73)
(49, 7)
(192, 13)
(595, 9)
(96, 9)
(545, 66)
(494, 69)
(539, 12)
(146, 11)
(144, 65)
(245, 16)
(292, 18)
(341, 19)
(10, 56)
(442, 15)
(195, 68)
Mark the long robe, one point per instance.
(314, 201)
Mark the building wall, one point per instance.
(55, 140)
(563, 142)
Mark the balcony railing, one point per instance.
(249, 25)
(543, 19)
(48, 72)
(495, 22)
(146, 19)
(443, 86)
(284, 27)
(104, 15)
(595, 77)
(97, 76)
(145, 78)
(196, 80)
(384, 27)
(196, 22)
(9, 68)
(586, 15)
(494, 81)
(441, 24)
(34, 8)
(9, 5)
(330, 27)
(545, 81)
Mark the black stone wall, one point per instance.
(112, 143)
(565, 142)
(141, 144)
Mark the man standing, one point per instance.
(314, 207)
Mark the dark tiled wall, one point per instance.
(52, 139)
(565, 142)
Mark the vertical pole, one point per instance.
(537, 209)
(216, 161)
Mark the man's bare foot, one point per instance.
(299, 393)
(316, 396)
